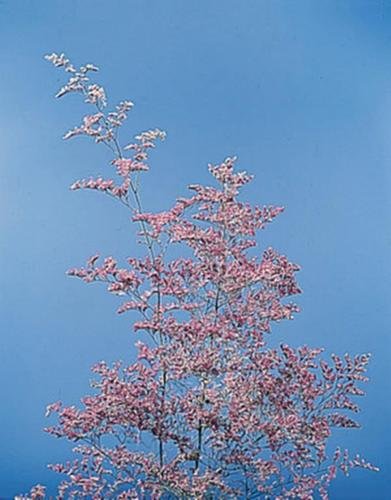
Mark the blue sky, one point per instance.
(299, 91)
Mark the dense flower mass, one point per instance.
(208, 409)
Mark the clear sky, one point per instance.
(299, 90)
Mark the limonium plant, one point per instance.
(207, 409)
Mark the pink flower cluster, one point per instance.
(103, 127)
(208, 409)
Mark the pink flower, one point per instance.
(208, 408)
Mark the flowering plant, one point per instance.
(207, 409)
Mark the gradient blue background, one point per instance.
(299, 90)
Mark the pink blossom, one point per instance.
(228, 415)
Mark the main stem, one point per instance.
(149, 243)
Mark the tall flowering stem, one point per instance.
(207, 409)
